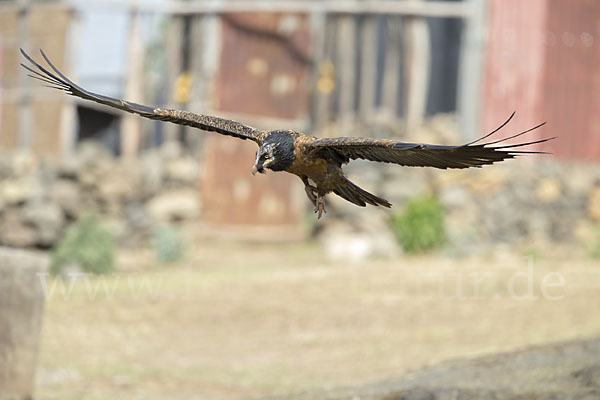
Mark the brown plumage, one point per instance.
(317, 161)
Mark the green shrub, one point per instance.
(86, 244)
(168, 244)
(420, 226)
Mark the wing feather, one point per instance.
(205, 122)
(473, 154)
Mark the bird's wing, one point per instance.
(473, 154)
(205, 122)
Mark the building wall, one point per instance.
(46, 28)
(572, 77)
(259, 74)
(514, 65)
(543, 59)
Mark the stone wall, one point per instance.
(38, 200)
(530, 202)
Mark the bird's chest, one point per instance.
(323, 173)
(308, 167)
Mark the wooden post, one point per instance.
(1, 61)
(472, 54)
(346, 65)
(131, 128)
(204, 63)
(391, 69)
(21, 309)
(68, 117)
(324, 69)
(174, 49)
(417, 47)
(24, 134)
(368, 66)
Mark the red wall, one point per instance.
(543, 62)
(260, 73)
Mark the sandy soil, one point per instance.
(240, 321)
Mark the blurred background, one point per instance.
(141, 259)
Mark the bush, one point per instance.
(168, 244)
(420, 226)
(86, 244)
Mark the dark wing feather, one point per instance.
(468, 155)
(57, 80)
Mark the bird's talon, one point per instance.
(320, 208)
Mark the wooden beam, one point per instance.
(24, 125)
(439, 9)
(68, 117)
(345, 65)
(320, 97)
(1, 77)
(472, 54)
(417, 60)
(391, 67)
(368, 67)
(131, 128)
(205, 49)
(174, 51)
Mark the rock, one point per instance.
(402, 184)
(589, 377)
(456, 196)
(24, 163)
(593, 205)
(66, 194)
(47, 219)
(119, 183)
(91, 152)
(565, 371)
(585, 231)
(579, 180)
(548, 190)
(176, 205)
(151, 173)
(68, 168)
(487, 180)
(21, 309)
(93, 162)
(14, 232)
(184, 170)
(17, 191)
(343, 242)
(171, 150)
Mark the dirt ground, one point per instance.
(236, 321)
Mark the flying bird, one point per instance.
(316, 161)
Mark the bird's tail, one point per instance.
(352, 193)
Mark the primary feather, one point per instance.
(206, 122)
(423, 155)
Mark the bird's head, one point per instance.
(276, 153)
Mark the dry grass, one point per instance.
(236, 321)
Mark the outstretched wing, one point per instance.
(473, 154)
(205, 122)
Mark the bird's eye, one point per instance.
(266, 156)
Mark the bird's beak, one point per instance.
(258, 165)
(258, 169)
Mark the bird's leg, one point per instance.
(310, 191)
(320, 206)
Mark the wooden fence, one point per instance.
(363, 58)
